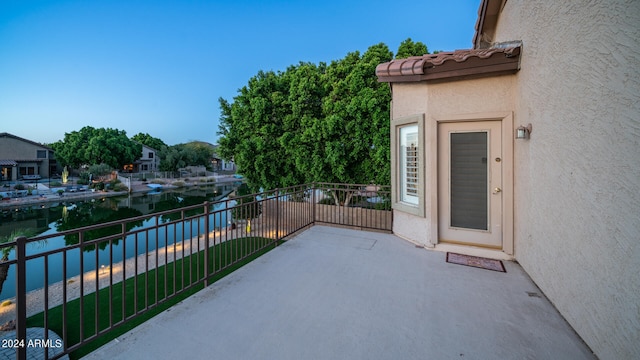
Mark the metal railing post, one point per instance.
(21, 298)
(277, 217)
(206, 244)
(294, 216)
(313, 203)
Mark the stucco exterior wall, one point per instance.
(438, 101)
(577, 222)
(409, 99)
(12, 148)
(150, 157)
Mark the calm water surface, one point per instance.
(53, 218)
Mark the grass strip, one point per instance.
(147, 293)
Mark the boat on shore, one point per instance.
(155, 187)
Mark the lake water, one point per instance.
(56, 217)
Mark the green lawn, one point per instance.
(146, 294)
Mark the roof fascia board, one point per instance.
(478, 72)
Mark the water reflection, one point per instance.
(66, 216)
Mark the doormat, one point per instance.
(475, 261)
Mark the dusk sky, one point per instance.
(159, 67)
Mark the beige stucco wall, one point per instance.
(577, 215)
(446, 100)
(577, 180)
(12, 148)
(16, 149)
(151, 160)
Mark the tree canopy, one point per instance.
(327, 123)
(90, 146)
(178, 156)
(148, 140)
(410, 48)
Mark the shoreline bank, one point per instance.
(136, 187)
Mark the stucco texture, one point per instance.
(14, 148)
(577, 223)
(438, 101)
(576, 181)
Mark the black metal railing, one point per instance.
(367, 207)
(111, 274)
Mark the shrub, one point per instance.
(178, 183)
(298, 197)
(19, 187)
(99, 170)
(327, 201)
(120, 187)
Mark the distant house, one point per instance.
(25, 159)
(527, 145)
(220, 164)
(149, 161)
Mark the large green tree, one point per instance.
(90, 146)
(179, 156)
(352, 139)
(200, 153)
(173, 158)
(252, 128)
(313, 122)
(410, 48)
(307, 90)
(148, 140)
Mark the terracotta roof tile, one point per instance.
(450, 64)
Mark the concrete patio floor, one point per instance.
(332, 293)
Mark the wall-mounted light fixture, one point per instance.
(523, 132)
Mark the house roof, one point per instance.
(8, 163)
(145, 146)
(7, 135)
(452, 65)
(488, 13)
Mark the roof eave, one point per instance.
(451, 75)
(479, 24)
(472, 68)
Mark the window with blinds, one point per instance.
(409, 160)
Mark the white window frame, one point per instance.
(408, 157)
(408, 181)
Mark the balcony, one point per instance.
(330, 290)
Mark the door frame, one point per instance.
(491, 236)
(506, 121)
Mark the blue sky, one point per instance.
(159, 67)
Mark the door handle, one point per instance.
(497, 190)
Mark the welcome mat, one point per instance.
(475, 261)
